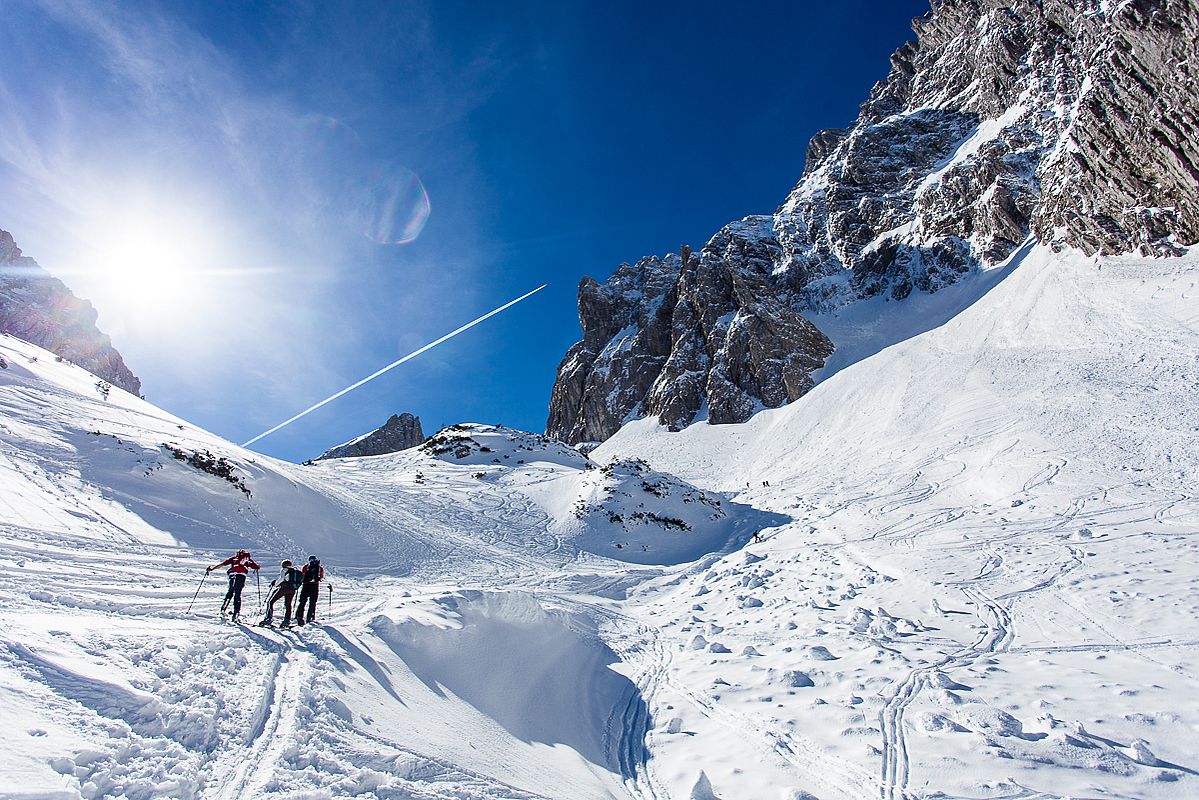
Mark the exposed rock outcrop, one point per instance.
(1073, 122)
(400, 432)
(39, 308)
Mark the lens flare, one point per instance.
(393, 206)
(327, 140)
(383, 199)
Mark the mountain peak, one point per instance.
(1071, 123)
(400, 432)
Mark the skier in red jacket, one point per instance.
(239, 565)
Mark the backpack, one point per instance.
(294, 577)
(312, 572)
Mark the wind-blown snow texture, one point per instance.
(1073, 121)
(976, 579)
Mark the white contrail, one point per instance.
(394, 364)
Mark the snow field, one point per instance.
(975, 578)
(494, 685)
(995, 535)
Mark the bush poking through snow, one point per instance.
(467, 440)
(658, 519)
(205, 461)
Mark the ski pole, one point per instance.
(197, 594)
(330, 598)
(258, 581)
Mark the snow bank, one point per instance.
(545, 677)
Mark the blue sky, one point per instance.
(241, 187)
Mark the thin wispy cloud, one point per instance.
(139, 116)
(268, 154)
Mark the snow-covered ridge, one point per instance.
(473, 443)
(1068, 123)
(623, 509)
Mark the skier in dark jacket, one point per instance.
(314, 573)
(239, 565)
(283, 588)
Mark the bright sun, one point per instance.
(147, 258)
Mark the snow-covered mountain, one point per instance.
(40, 308)
(1073, 122)
(975, 579)
(958, 560)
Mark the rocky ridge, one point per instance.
(40, 309)
(400, 432)
(1072, 122)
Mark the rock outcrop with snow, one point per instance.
(1073, 122)
(400, 432)
(39, 308)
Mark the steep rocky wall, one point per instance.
(40, 309)
(1074, 122)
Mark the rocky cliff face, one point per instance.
(40, 309)
(398, 433)
(1074, 122)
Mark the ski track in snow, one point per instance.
(1039, 531)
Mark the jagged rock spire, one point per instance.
(400, 432)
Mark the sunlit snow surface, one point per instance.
(977, 580)
(996, 534)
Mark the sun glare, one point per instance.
(145, 259)
(148, 260)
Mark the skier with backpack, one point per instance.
(283, 588)
(314, 573)
(239, 565)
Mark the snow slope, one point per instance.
(995, 544)
(976, 579)
(458, 659)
